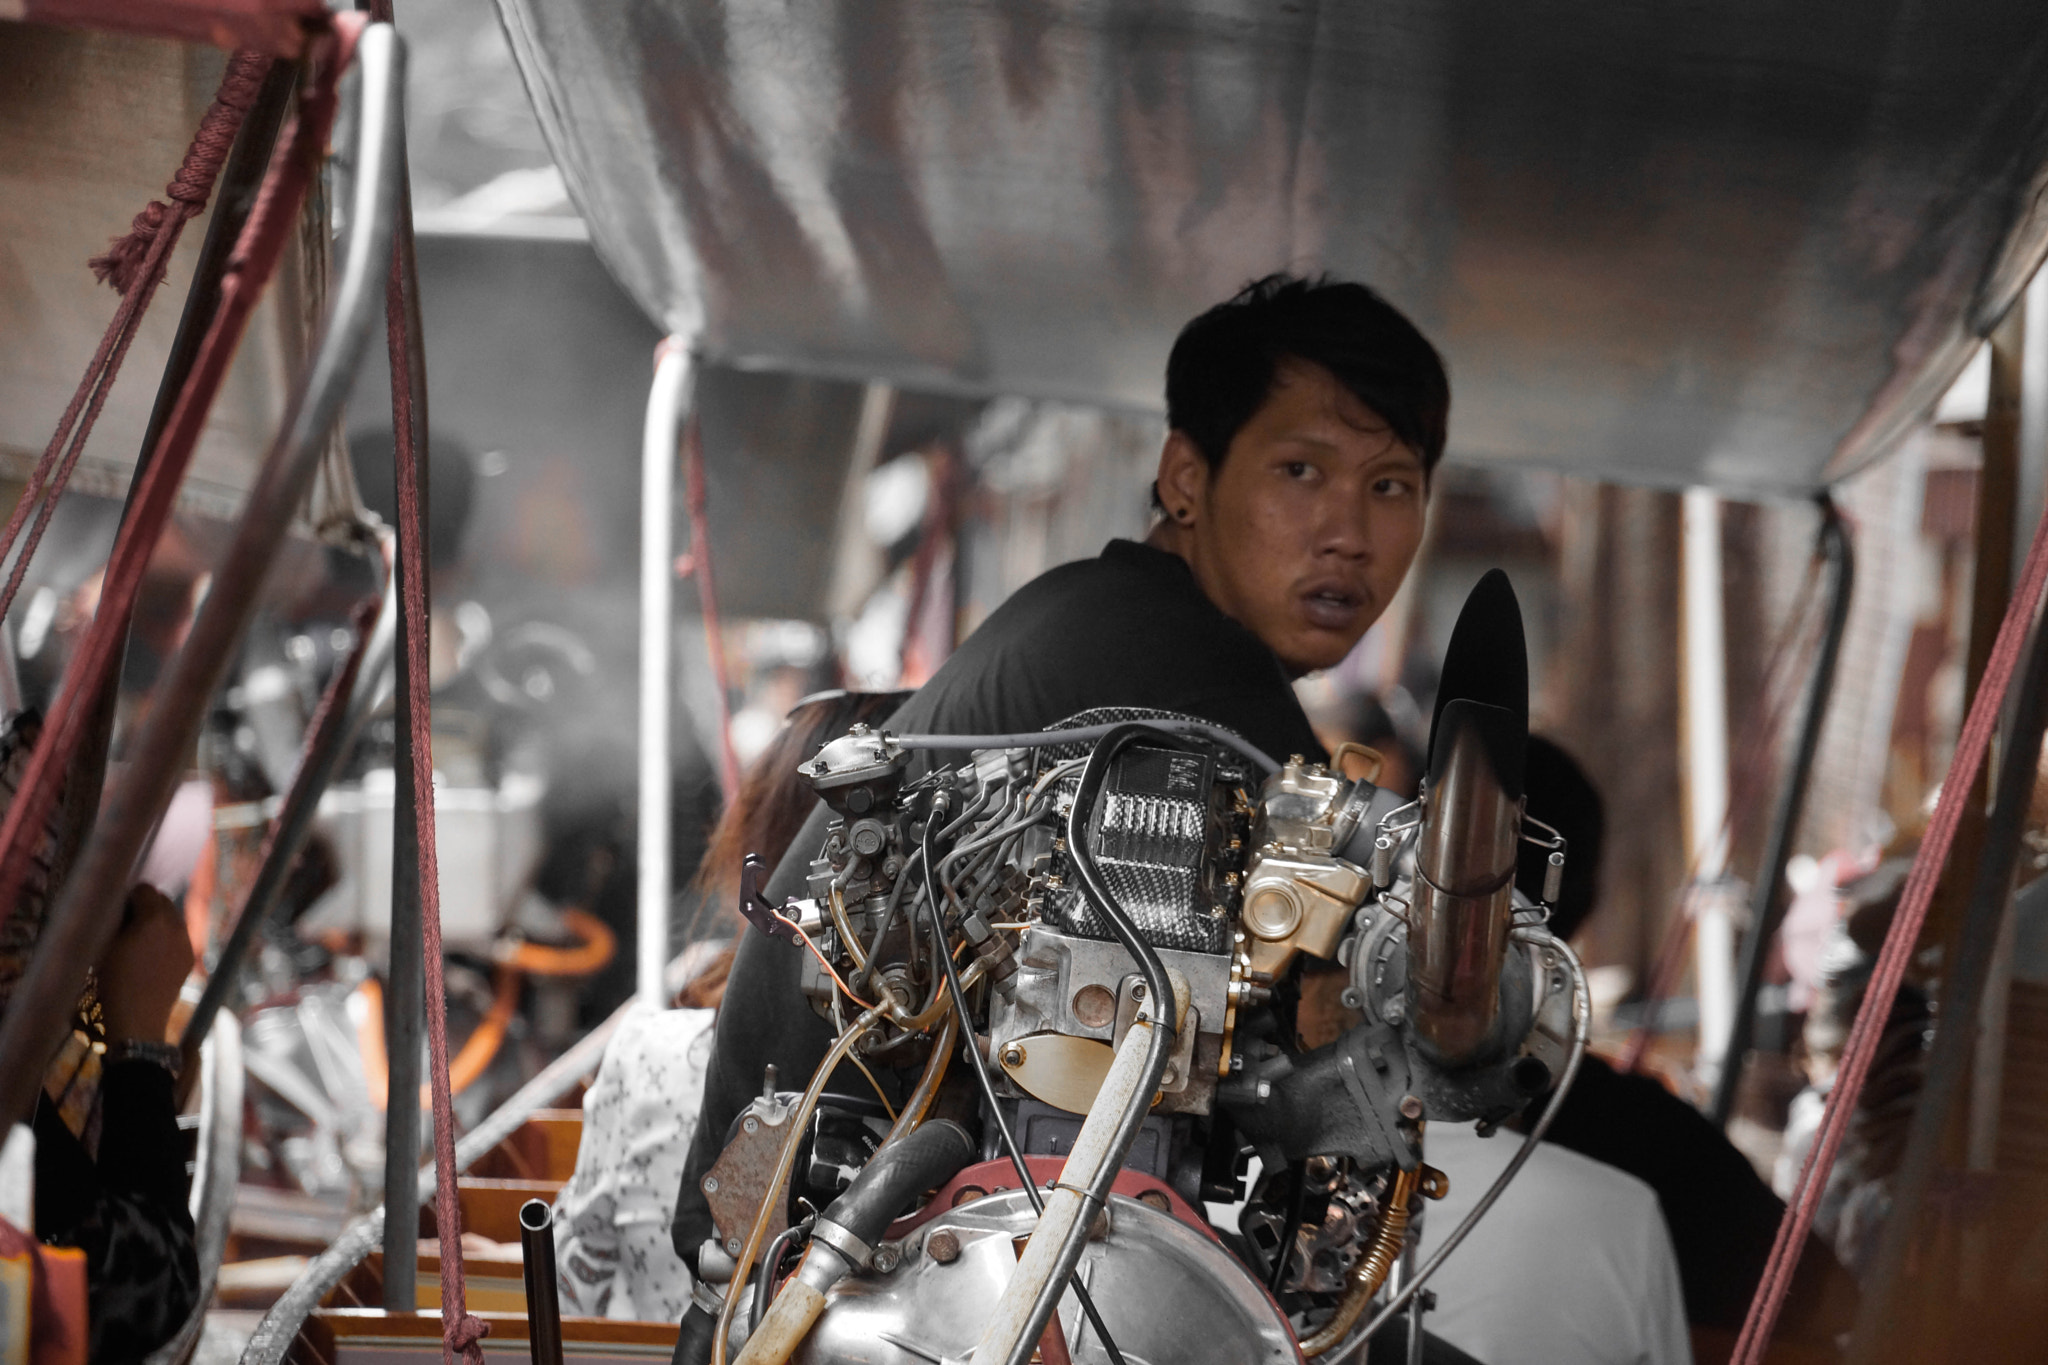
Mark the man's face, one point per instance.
(1306, 530)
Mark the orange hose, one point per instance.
(599, 946)
(479, 1050)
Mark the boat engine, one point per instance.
(1105, 927)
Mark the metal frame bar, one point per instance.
(219, 1170)
(668, 404)
(1767, 899)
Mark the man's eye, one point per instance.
(1392, 487)
(1297, 469)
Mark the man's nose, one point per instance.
(1344, 531)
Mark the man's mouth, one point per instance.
(1332, 606)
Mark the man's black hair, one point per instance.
(1224, 362)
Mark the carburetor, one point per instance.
(1307, 873)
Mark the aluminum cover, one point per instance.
(1737, 243)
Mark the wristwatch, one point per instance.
(166, 1055)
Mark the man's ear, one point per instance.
(1183, 481)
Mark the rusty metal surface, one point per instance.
(1733, 242)
(738, 1181)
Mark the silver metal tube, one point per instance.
(1464, 890)
(1056, 1244)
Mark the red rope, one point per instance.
(707, 597)
(1899, 944)
(461, 1331)
(254, 259)
(135, 264)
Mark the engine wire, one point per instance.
(823, 961)
(1082, 734)
(842, 1047)
(979, 1066)
(862, 1066)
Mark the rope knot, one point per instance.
(467, 1337)
(123, 263)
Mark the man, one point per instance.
(1304, 420)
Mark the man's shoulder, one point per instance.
(1123, 566)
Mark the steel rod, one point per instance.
(405, 999)
(1704, 698)
(1767, 898)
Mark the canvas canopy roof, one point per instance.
(1736, 243)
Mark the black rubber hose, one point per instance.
(988, 1090)
(693, 1341)
(1081, 734)
(1160, 1046)
(928, 1155)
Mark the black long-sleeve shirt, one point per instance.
(126, 1210)
(1128, 628)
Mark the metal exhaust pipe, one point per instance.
(1465, 880)
(1471, 828)
(543, 1292)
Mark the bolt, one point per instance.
(944, 1246)
(752, 1125)
(732, 1247)
(1137, 990)
(1170, 1075)
(1411, 1107)
(1013, 1056)
(1352, 998)
(711, 1184)
(885, 1259)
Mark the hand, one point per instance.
(144, 967)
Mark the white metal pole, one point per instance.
(1706, 771)
(667, 404)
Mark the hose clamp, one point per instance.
(835, 1236)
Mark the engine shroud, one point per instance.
(1167, 1290)
(1162, 834)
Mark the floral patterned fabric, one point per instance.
(612, 1242)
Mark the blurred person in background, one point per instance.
(1722, 1218)
(612, 1240)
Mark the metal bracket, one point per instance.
(755, 906)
